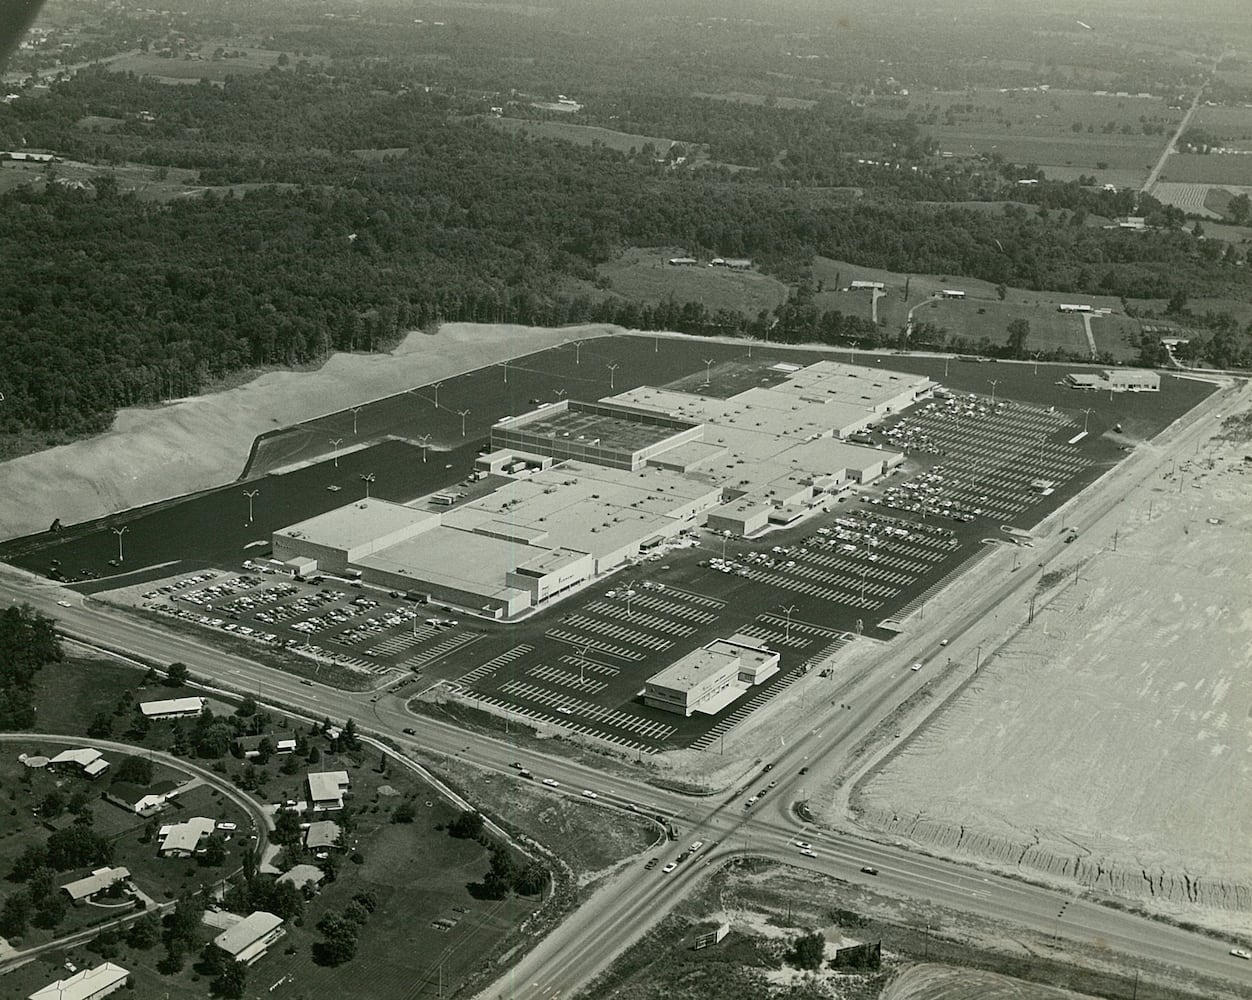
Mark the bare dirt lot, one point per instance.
(193, 444)
(1110, 742)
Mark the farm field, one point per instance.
(1228, 124)
(642, 273)
(1211, 168)
(582, 135)
(1143, 797)
(1049, 330)
(1133, 154)
(1193, 199)
(738, 97)
(193, 70)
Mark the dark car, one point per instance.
(804, 770)
(868, 870)
(768, 767)
(652, 864)
(409, 731)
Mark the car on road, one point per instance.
(750, 803)
(523, 773)
(768, 767)
(695, 846)
(519, 765)
(804, 770)
(307, 683)
(670, 867)
(552, 782)
(804, 845)
(772, 784)
(652, 863)
(410, 731)
(917, 666)
(1242, 953)
(64, 604)
(589, 794)
(869, 870)
(808, 853)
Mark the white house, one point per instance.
(90, 984)
(326, 790)
(248, 940)
(172, 708)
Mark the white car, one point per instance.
(1241, 953)
(589, 794)
(551, 782)
(917, 666)
(695, 846)
(804, 845)
(64, 604)
(808, 854)
(670, 867)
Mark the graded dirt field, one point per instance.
(193, 444)
(1109, 742)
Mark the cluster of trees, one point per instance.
(505, 875)
(38, 868)
(340, 930)
(28, 642)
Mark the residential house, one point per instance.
(83, 760)
(90, 984)
(327, 789)
(301, 876)
(172, 708)
(322, 835)
(248, 940)
(83, 889)
(182, 840)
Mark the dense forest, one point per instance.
(344, 198)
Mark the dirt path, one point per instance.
(193, 444)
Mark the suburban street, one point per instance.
(632, 902)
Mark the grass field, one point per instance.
(1197, 168)
(1143, 795)
(643, 274)
(582, 135)
(784, 103)
(1229, 124)
(193, 70)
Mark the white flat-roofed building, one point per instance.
(249, 940)
(327, 789)
(182, 840)
(344, 536)
(709, 678)
(89, 984)
(867, 286)
(172, 708)
(1116, 380)
(88, 762)
(952, 293)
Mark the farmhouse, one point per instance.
(249, 747)
(867, 286)
(952, 293)
(83, 760)
(90, 984)
(249, 940)
(683, 262)
(83, 889)
(182, 840)
(710, 678)
(1072, 307)
(327, 789)
(172, 708)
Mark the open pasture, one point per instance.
(1208, 168)
(582, 135)
(644, 274)
(183, 70)
(1228, 124)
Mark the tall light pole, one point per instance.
(367, 478)
(1086, 415)
(708, 370)
(119, 532)
(725, 539)
(993, 382)
(335, 443)
(582, 665)
(864, 574)
(578, 349)
(613, 367)
(789, 610)
(462, 414)
(251, 495)
(559, 393)
(355, 411)
(1036, 357)
(435, 386)
(505, 366)
(424, 441)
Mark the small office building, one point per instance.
(711, 677)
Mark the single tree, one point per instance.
(177, 674)
(1019, 333)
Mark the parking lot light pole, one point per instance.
(462, 414)
(1086, 415)
(251, 495)
(424, 441)
(1036, 357)
(119, 532)
(578, 349)
(864, 574)
(725, 539)
(435, 386)
(355, 411)
(335, 443)
(789, 610)
(708, 370)
(993, 382)
(612, 372)
(582, 665)
(505, 366)
(367, 478)
(559, 393)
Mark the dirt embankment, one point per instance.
(194, 444)
(942, 982)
